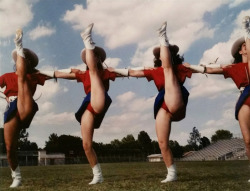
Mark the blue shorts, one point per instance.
(98, 117)
(245, 94)
(160, 99)
(11, 111)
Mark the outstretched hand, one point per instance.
(73, 70)
(187, 65)
(110, 69)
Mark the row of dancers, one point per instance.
(168, 73)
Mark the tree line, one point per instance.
(127, 148)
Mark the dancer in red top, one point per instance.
(240, 74)
(170, 105)
(20, 88)
(96, 84)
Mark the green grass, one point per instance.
(200, 176)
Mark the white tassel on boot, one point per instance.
(162, 32)
(246, 26)
(97, 172)
(87, 38)
(172, 174)
(19, 43)
(16, 176)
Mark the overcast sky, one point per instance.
(203, 30)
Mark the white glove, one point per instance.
(197, 68)
(138, 68)
(123, 72)
(49, 73)
(212, 65)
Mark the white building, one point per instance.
(155, 158)
(50, 159)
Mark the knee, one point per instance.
(247, 143)
(87, 147)
(163, 146)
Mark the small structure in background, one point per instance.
(3, 160)
(155, 158)
(228, 149)
(34, 158)
(50, 159)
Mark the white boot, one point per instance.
(162, 32)
(172, 174)
(16, 176)
(97, 172)
(18, 42)
(246, 26)
(87, 38)
(122, 72)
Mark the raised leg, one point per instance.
(246, 26)
(173, 95)
(87, 130)
(25, 99)
(97, 87)
(163, 129)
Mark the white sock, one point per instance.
(246, 26)
(97, 172)
(87, 37)
(172, 174)
(172, 170)
(19, 43)
(16, 176)
(162, 32)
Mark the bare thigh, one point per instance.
(97, 88)
(25, 98)
(244, 121)
(173, 95)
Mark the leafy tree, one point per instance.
(116, 143)
(67, 144)
(70, 145)
(204, 142)
(52, 145)
(145, 142)
(129, 146)
(156, 148)
(194, 139)
(24, 144)
(221, 134)
(176, 149)
(187, 148)
(128, 139)
(23, 135)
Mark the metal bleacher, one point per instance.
(229, 149)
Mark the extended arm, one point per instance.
(209, 69)
(119, 72)
(64, 75)
(136, 72)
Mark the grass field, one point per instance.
(202, 176)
